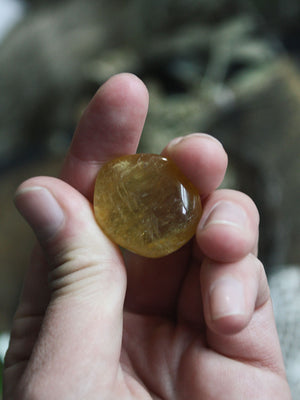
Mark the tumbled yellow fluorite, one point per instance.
(145, 204)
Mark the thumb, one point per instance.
(83, 320)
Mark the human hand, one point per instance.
(197, 324)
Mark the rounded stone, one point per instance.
(145, 204)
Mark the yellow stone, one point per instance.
(145, 204)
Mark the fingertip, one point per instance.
(223, 243)
(232, 292)
(126, 96)
(201, 158)
(128, 84)
(228, 229)
(40, 209)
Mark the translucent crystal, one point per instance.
(145, 204)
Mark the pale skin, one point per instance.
(197, 324)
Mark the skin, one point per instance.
(197, 324)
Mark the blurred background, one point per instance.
(227, 67)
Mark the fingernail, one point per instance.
(180, 139)
(41, 210)
(174, 142)
(202, 136)
(226, 213)
(226, 298)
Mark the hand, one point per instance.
(197, 324)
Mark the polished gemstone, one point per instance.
(145, 204)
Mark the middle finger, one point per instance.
(154, 284)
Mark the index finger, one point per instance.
(110, 126)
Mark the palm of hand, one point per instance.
(169, 352)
